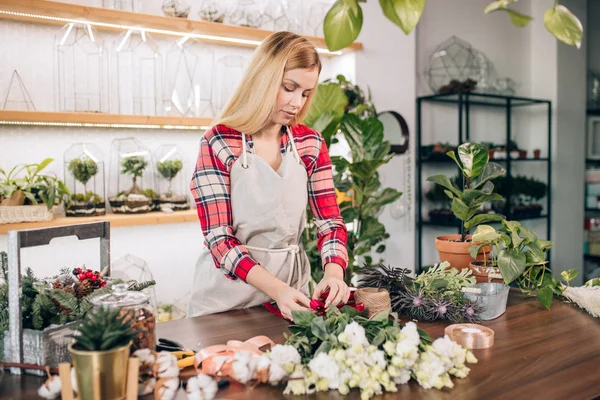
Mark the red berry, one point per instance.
(81, 277)
(103, 284)
(93, 278)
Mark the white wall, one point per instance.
(387, 67)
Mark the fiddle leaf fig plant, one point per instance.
(477, 172)
(344, 21)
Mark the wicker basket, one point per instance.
(13, 214)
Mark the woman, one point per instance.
(257, 169)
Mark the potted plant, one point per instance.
(442, 214)
(134, 199)
(100, 353)
(87, 203)
(477, 172)
(172, 186)
(32, 195)
(519, 256)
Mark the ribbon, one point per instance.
(471, 336)
(217, 360)
(318, 305)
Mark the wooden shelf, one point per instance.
(103, 120)
(116, 220)
(56, 13)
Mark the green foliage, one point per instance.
(134, 165)
(441, 278)
(343, 22)
(169, 168)
(312, 334)
(478, 172)
(83, 169)
(338, 108)
(104, 330)
(37, 187)
(88, 197)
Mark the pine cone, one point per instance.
(57, 284)
(68, 281)
(69, 289)
(83, 289)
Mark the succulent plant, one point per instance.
(106, 329)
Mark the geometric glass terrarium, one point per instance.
(171, 177)
(229, 71)
(188, 79)
(84, 176)
(138, 73)
(81, 69)
(131, 179)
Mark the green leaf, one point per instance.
(404, 13)
(495, 6)
(318, 328)
(485, 234)
(545, 295)
(481, 218)
(569, 274)
(474, 250)
(342, 24)
(350, 312)
(593, 282)
(490, 171)
(460, 209)
(44, 164)
(303, 318)
(473, 157)
(323, 348)
(329, 101)
(528, 234)
(564, 25)
(444, 181)
(518, 19)
(511, 264)
(327, 124)
(382, 315)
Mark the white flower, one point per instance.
(402, 376)
(390, 348)
(201, 387)
(51, 388)
(244, 366)
(276, 371)
(325, 366)
(379, 358)
(356, 334)
(430, 370)
(166, 365)
(407, 353)
(410, 333)
(168, 389)
(285, 354)
(471, 358)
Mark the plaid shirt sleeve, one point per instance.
(332, 233)
(210, 186)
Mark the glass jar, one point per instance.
(142, 314)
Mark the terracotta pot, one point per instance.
(481, 271)
(456, 252)
(536, 153)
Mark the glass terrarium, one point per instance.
(246, 13)
(131, 181)
(228, 73)
(188, 79)
(138, 73)
(84, 177)
(81, 69)
(171, 177)
(125, 5)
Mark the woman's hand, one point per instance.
(333, 280)
(289, 299)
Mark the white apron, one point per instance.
(269, 210)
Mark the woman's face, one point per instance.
(295, 88)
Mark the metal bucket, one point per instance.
(492, 299)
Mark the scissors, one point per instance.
(185, 357)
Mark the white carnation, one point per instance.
(325, 366)
(356, 334)
(285, 354)
(410, 333)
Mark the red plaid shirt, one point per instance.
(219, 148)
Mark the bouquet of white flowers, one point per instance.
(343, 350)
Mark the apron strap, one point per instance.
(294, 150)
(244, 155)
(293, 249)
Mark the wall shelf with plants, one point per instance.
(522, 195)
(57, 13)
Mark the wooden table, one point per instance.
(538, 354)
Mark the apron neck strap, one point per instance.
(294, 150)
(244, 155)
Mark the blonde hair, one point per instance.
(253, 101)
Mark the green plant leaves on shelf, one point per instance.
(482, 218)
(473, 158)
(564, 25)
(490, 171)
(511, 264)
(327, 109)
(342, 24)
(404, 13)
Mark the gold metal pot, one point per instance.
(110, 367)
